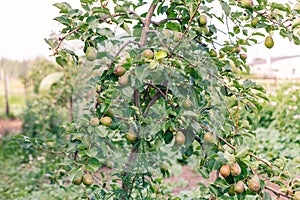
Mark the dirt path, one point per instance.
(10, 125)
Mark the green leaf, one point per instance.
(48, 81)
(160, 55)
(93, 164)
(141, 73)
(225, 7)
(204, 172)
(63, 20)
(220, 182)
(64, 7)
(262, 95)
(168, 136)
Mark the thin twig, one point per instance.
(188, 26)
(61, 39)
(151, 103)
(118, 14)
(260, 159)
(120, 50)
(223, 140)
(278, 192)
(158, 37)
(197, 138)
(155, 87)
(166, 20)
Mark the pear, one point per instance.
(269, 42)
(91, 53)
(177, 36)
(239, 187)
(179, 138)
(243, 56)
(123, 80)
(225, 170)
(148, 53)
(187, 103)
(209, 137)
(213, 53)
(94, 121)
(247, 3)
(254, 184)
(131, 135)
(235, 169)
(254, 22)
(78, 180)
(297, 195)
(119, 71)
(203, 20)
(88, 180)
(231, 191)
(106, 121)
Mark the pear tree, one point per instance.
(167, 83)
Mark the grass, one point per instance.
(16, 98)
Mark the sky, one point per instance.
(25, 24)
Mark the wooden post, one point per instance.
(5, 79)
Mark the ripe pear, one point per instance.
(94, 121)
(243, 56)
(148, 53)
(91, 53)
(254, 184)
(225, 170)
(123, 80)
(297, 195)
(239, 187)
(254, 22)
(203, 20)
(269, 42)
(235, 169)
(247, 3)
(131, 136)
(88, 179)
(106, 121)
(177, 36)
(187, 104)
(78, 180)
(209, 137)
(180, 138)
(119, 71)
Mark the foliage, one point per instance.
(188, 58)
(278, 128)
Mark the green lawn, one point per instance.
(16, 98)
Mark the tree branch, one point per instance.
(146, 23)
(260, 159)
(151, 103)
(277, 192)
(166, 20)
(158, 89)
(119, 14)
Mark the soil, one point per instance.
(10, 126)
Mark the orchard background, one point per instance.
(154, 100)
